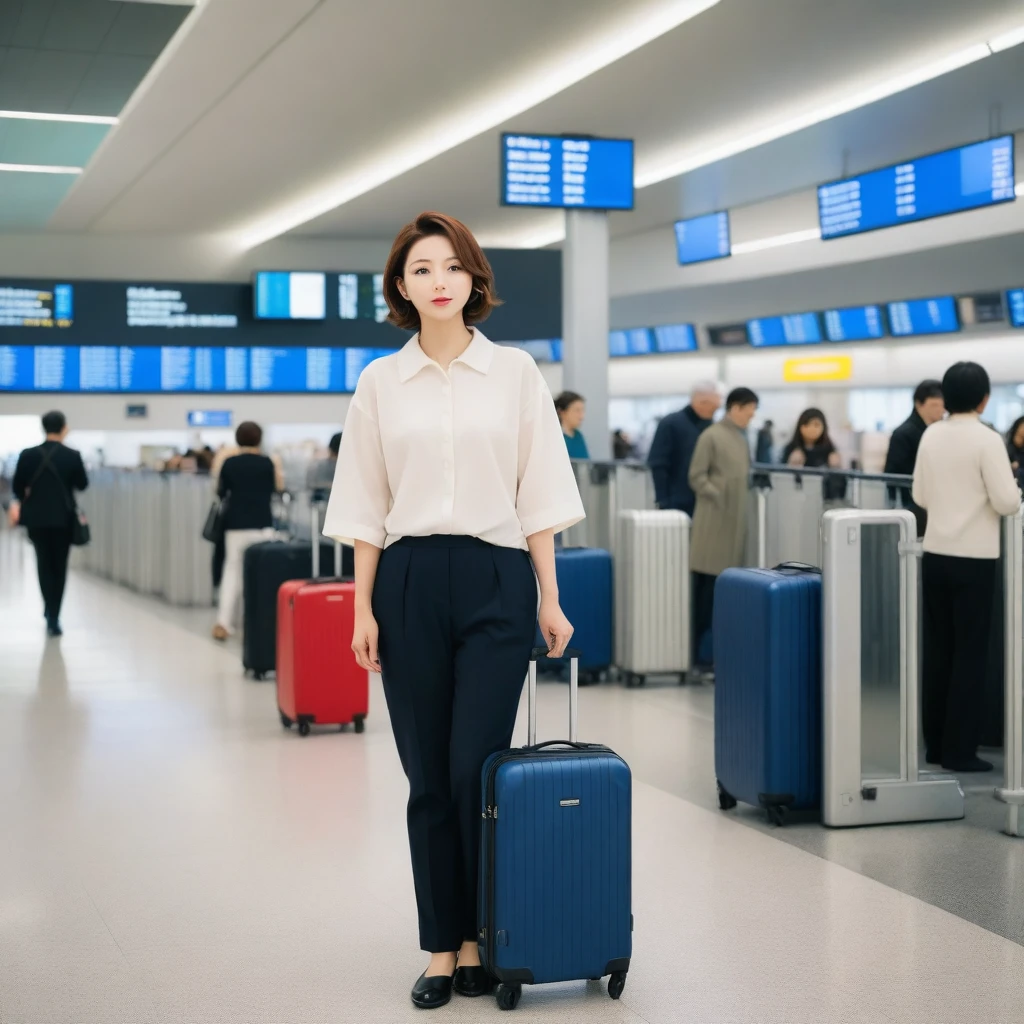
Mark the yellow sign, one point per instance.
(815, 371)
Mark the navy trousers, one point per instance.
(457, 619)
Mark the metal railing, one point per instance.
(1012, 791)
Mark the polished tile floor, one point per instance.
(168, 853)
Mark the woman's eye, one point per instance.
(455, 266)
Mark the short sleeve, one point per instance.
(361, 496)
(547, 496)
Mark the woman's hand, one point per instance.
(796, 457)
(833, 460)
(554, 627)
(364, 640)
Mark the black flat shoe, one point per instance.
(53, 628)
(472, 982)
(430, 993)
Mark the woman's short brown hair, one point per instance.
(468, 252)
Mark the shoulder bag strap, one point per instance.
(42, 468)
(68, 497)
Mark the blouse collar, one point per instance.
(412, 358)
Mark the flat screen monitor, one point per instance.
(728, 335)
(923, 316)
(209, 418)
(675, 338)
(855, 323)
(958, 179)
(289, 295)
(152, 369)
(361, 297)
(792, 329)
(638, 341)
(46, 305)
(1015, 306)
(699, 239)
(570, 173)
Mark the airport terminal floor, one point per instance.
(171, 854)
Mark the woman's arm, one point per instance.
(554, 626)
(365, 634)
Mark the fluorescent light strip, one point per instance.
(507, 100)
(1008, 39)
(28, 115)
(792, 238)
(39, 169)
(662, 168)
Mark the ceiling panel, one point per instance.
(43, 142)
(27, 200)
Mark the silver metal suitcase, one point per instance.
(652, 598)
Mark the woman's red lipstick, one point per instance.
(441, 301)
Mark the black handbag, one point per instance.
(213, 528)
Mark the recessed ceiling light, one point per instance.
(773, 242)
(28, 115)
(1003, 42)
(39, 169)
(532, 86)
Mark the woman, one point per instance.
(247, 482)
(963, 480)
(1015, 448)
(456, 482)
(572, 409)
(812, 447)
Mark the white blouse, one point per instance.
(476, 451)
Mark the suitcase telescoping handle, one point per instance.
(314, 536)
(574, 690)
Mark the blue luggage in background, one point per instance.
(767, 638)
(585, 593)
(555, 860)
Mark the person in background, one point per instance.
(719, 476)
(320, 477)
(572, 410)
(963, 480)
(673, 447)
(811, 446)
(44, 483)
(1015, 448)
(765, 444)
(903, 445)
(248, 481)
(622, 446)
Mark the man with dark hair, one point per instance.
(905, 440)
(44, 484)
(719, 475)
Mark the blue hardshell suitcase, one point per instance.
(555, 861)
(767, 640)
(585, 594)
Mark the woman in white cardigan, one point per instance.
(964, 481)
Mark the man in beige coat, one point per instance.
(719, 476)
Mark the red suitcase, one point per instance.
(318, 680)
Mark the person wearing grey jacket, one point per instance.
(719, 476)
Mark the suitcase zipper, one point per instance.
(490, 815)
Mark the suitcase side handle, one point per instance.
(574, 691)
(562, 743)
(801, 566)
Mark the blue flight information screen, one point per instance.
(52, 306)
(581, 173)
(965, 178)
(793, 329)
(703, 238)
(675, 338)
(290, 295)
(181, 368)
(1015, 304)
(636, 342)
(858, 323)
(924, 316)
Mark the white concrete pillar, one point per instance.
(585, 321)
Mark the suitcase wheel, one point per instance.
(303, 728)
(726, 801)
(633, 679)
(258, 675)
(286, 721)
(508, 995)
(616, 983)
(359, 722)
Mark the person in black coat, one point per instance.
(906, 438)
(44, 484)
(672, 448)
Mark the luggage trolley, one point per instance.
(860, 543)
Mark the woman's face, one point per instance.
(435, 281)
(811, 431)
(1018, 437)
(572, 418)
